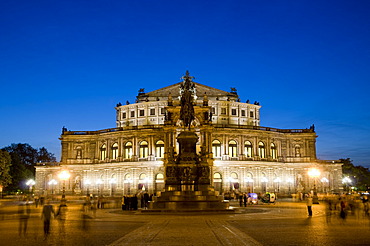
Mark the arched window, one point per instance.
(103, 152)
(217, 176)
(233, 147)
(249, 182)
(248, 149)
(128, 150)
(159, 176)
(234, 176)
(273, 151)
(261, 150)
(159, 149)
(143, 149)
(216, 148)
(115, 151)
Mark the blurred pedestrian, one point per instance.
(343, 207)
(123, 203)
(61, 215)
(24, 212)
(309, 205)
(146, 200)
(47, 211)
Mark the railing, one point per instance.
(47, 164)
(260, 128)
(112, 130)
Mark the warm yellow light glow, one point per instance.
(64, 175)
(324, 180)
(277, 180)
(346, 180)
(52, 182)
(30, 182)
(314, 173)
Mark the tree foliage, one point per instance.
(23, 158)
(359, 175)
(5, 163)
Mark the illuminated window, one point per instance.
(223, 110)
(273, 151)
(128, 150)
(217, 176)
(103, 152)
(261, 150)
(115, 151)
(216, 148)
(143, 149)
(159, 149)
(233, 148)
(248, 149)
(213, 110)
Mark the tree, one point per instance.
(359, 175)
(5, 163)
(23, 158)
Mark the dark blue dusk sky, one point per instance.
(67, 63)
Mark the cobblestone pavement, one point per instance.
(285, 223)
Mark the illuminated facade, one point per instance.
(246, 157)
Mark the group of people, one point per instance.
(347, 204)
(48, 212)
(131, 202)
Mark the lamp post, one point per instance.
(290, 182)
(112, 182)
(51, 184)
(264, 181)
(277, 181)
(346, 181)
(249, 180)
(324, 182)
(98, 183)
(30, 183)
(314, 173)
(87, 183)
(231, 180)
(64, 175)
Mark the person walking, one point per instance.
(309, 205)
(61, 215)
(47, 211)
(24, 212)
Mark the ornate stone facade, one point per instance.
(246, 157)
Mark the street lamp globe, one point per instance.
(30, 183)
(64, 176)
(314, 173)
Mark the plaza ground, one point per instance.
(283, 223)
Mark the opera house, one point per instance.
(242, 155)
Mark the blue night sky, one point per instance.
(67, 63)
